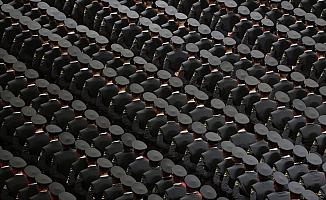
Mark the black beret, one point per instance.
(127, 139)
(78, 105)
(56, 188)
(264, 169)
(184, 119)
(311, 113)
(166, 165)
(117, 172)
(127, 180)
(280, 178)
(163, 75)
(217, 104)
(139, 188)
(91, 114)
(192, 181)
(154, 156)
(43, 179)
(273, 136)
(67, 138)
(314, 159)
(32, 171)
(198, 128)
(227, 146)
(81, 145)
(179, 171)
(300, 151)
(139, 145)
(92, 153)
(116, 130)
(104, 163)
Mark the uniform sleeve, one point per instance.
(172, 151)
(225, 184)
(136, 127)
(200, 169)
(236, 192)
(55, 172)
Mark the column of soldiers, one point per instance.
(165, 99)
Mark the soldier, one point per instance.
(264, 186)
(180, 141)
(221, 167)
(316, 66)
(162, 51)
(286, 160)
(244, 63)
(149, 47)
(252, 33)
(211, 79)
(265, 41)
(232, 172)
(153, 125)
(153, 175)
(227, 21)
(90, 13)
(79, 164)
(280, 117)
(244, 182)
(218, 48)
(160, 18)
(87, 175)
(46, 155)
(120, 100)
(63, 160)
(168, 130)
(314, 161)
(98, 186)
(307, 58)
(292, 126)
(31, 172)
(290, 55)
(129, 32)
(312, 99)
(133, 107)
(299, 16)
(115, 190)
(201, 113)
(224, 86)
(299, 168)
(141, 164)
(273, 155)
(280, 187)
(167, 179)
(209, 159)
(141, 38)
(242, 138)
(173, 59)
(240, 28)
(286, 19)
(308, 133)
(297, 92)
(218, 119)
(189, 66)
(321, 109)
(195, 148)
(192, 186)
(177, 190)
(43, 183)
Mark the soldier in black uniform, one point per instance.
(62, 160)
(243, 183)
(252, 33)
(195, 148)
(299, 168)
(209, 159)
(242, 138)
(180, 141)
(264, 186)
(221, 167)
(280, 187)
(178, 189)
(87, 175)
(314, 161)
(310, 131)
(316, 66)
(232, 172)
(105, 180)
